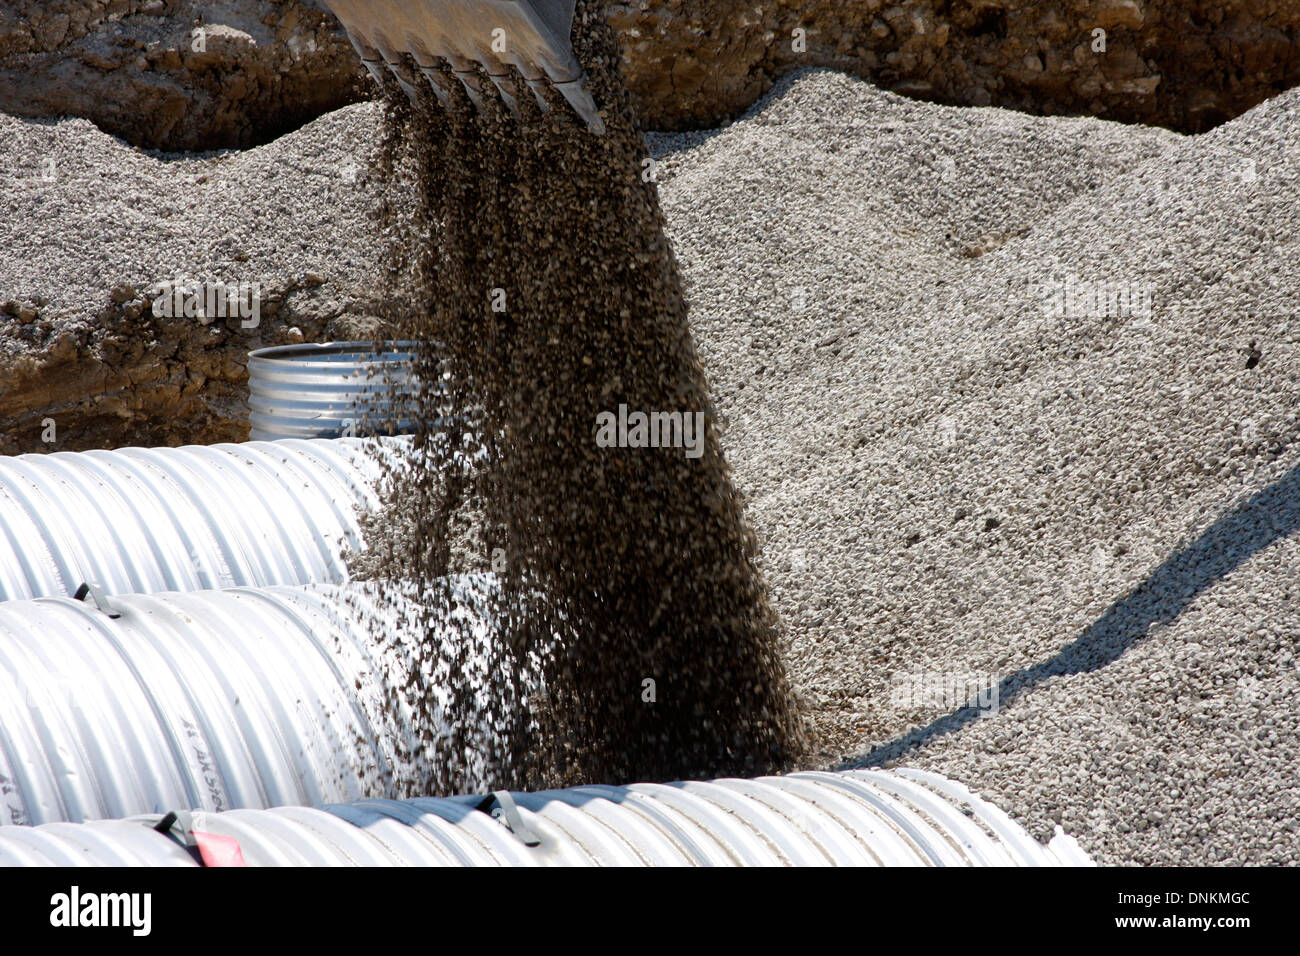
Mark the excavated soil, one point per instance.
(265, 66)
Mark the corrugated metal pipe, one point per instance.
(280, 697)
(142, 520)
(220, 704)
(864, 818)
(217, 700)
(330, 390)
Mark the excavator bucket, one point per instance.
(455, 38)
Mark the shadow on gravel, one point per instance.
(1266, 517)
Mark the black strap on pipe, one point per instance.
(502, 808)
(97, 598)
(167, 827)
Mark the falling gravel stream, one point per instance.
(567, 443)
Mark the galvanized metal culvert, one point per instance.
(232, 702)
(857, 818)
(214, 700)
(331, 390)
(290, 698)
(143, 520)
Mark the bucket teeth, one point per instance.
(536, 81)
(370, 58)
(475, 86)
(576, 93)
(539, 88)
(438, 80)
(500, 76)
(482, 40)
(505, 86)
(405, 78)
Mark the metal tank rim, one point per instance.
(308, 351)
(332, 389)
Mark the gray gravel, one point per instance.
(954, 484)
(1095, 515)
(86, 213)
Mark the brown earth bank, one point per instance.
(176, 74)
(139, 70)
(1185, 64)
(129, 377)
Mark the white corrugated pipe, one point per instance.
(143, 520)
(214, 700)
(866, 818)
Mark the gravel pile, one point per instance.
(958, 487)
(1081, 523)
(88, 213)
(93, 227)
